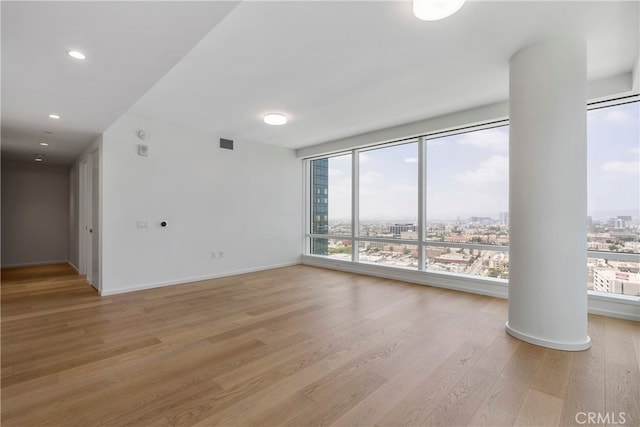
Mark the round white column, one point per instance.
(548, 195)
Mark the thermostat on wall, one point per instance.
(143, 150)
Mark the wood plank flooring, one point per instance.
(297, 346)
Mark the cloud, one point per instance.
(337, 172)
(621, 168)
(618, 116)
(410, 189)
(438, 142)
(492, 139)
(371, 182)
(411, 160)
(494, 169)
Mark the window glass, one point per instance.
(477, 262)
(332, 248)
(330, 200)
(394, 254)
(613, 178)
(388, 189)
(617, 277)
(467, 200)
(613, 196)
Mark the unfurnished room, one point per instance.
(320, 213)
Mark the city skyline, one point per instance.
(376, 245)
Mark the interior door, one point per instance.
(83, 228)
(88, 218)
(95, 220)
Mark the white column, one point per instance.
(548, 195)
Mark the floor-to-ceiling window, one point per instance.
(330, 206)
(467, 202)
(435, 204)
(613, 198)
(439, 203)
(388, 205)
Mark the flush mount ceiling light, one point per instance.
(39, 158)
(432, 10)
(44, 144)
(54, 116)
(76, 54)
(275, 119)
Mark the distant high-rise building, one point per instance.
(504, 218)
(615, 223)
(616, 282)
(320, 205)
(481, 219)
(626, 220)
(397, 229)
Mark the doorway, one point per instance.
(89, 244)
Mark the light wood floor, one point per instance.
(297, 346)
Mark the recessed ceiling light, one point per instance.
(44, 144)
(275, 119)
(54, 116)
(39, 158)
(76, 54)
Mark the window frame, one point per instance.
(422, 242)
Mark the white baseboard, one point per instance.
(74, 266)
(543, 342)
(622, 307)
(459, 282)
(35, 264)
(182, 281)
(605, 305)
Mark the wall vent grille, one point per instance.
(226, 143)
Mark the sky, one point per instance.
(468, 174)
(613, 161)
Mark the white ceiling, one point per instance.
(129, 47)
(335, 68)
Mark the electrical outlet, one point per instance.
(143, 150)
(220, 254)
(213, 255)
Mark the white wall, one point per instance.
(246, 203)
(35, 214)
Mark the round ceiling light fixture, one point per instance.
(275, 119)
(433, 10)
(54, 116)
(76, 54)
(44, 144)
